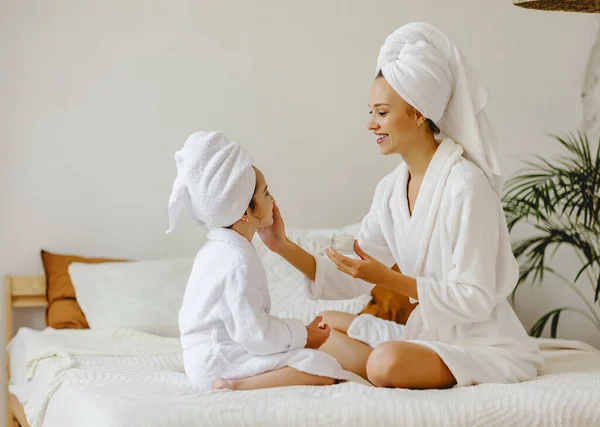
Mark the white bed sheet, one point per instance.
(17, 350)
(125, 378)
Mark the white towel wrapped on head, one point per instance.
(430, 73)
(215, 180)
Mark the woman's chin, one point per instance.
(384, 149)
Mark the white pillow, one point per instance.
(147, 295)
(142, 295)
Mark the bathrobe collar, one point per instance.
(417, 228)
(231, 237)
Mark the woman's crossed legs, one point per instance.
(395, 364)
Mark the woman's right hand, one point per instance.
(274, 236)
(317, 335)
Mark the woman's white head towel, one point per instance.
(431, 74)
(215, 180)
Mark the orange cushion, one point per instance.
(389, 305)
(63, 312)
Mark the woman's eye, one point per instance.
(382, 113)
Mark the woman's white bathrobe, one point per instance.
(226, 329)
(456, 245)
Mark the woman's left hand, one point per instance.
(367, 268)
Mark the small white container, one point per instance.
(343, 244)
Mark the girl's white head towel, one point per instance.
(215, 180)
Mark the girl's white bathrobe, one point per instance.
(226, 329)
(456, 245)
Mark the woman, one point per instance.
(435, 232)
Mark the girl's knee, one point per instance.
(327, 315)
(337, 320)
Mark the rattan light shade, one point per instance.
(589, 6)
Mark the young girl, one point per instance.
(227, 333)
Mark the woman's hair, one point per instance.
(432, 126)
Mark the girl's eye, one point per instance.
(383, 113)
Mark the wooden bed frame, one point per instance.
(19, 292)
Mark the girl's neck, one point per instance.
(244, 229)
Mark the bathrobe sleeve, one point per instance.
(332, 284)
(244, 312)
(467, 292)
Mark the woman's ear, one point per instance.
(413, 113)
(416, 113)
(419, 118)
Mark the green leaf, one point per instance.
(554, 325)
(585, 267)
(538, 328)
(560, 199)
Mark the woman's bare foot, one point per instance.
(221, 384)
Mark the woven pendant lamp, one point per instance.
(588, 6)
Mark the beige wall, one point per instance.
(97, 96)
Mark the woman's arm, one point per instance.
(372, 271)
(299, 258)
(275, 239)
(402, 284)
(324, 281)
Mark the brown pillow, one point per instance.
(63, 312)
(389, 305)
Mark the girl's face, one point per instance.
(262, 214)
(393, 120)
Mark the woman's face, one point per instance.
(393, 120)
(262, 214)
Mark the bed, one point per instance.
(123, 377)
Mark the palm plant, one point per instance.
(560, 199)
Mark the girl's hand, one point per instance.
(274, 236)
(317, 335)
(367, 268)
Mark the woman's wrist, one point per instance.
(400, 283)
(284, 247)
(390, 280)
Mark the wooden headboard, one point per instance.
(19, 292)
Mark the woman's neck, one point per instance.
(419, 155)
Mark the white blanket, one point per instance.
(123, 378)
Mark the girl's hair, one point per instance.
(432, 126)
(251, 205)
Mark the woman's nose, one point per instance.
(371, 124)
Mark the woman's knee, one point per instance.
(385, 363)
(401, 364)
